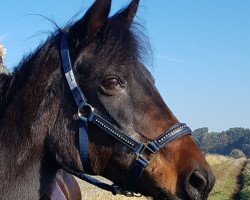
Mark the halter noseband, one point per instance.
(88, 115)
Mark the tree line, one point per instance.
(234, 142)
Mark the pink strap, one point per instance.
(54, 192)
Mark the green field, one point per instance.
(225, 169)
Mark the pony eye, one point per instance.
(110, 83)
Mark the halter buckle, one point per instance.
(140, 155)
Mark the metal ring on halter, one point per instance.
(85, 111)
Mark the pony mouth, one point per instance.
(168, 196)
(163, 197)
(162, 194)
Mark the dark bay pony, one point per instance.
(39, 126)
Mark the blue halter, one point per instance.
(87, 115)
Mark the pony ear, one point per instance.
(127, 15)
(98, 15)
(94, 19)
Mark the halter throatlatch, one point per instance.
(88, 115)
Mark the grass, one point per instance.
(245, 192)
(226, 171)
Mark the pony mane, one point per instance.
(24, 71)
(3, 84)
(121, 45)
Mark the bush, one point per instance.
(245, 193)
(237, 153)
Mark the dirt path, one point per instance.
(240, 183)
(90, 192)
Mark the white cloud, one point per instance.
(170, 59)
(3, 36)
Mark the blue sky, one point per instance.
(201, 51)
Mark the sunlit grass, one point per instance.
(226, 170)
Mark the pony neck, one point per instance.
(24, 171)
(24, 184)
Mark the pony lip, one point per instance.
(163, 194)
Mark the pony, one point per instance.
(39, 118)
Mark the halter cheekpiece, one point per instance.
(88, 115)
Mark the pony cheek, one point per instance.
(64, 151)
(118, 169)
(159, 174)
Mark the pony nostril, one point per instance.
(195, 185)
(197, 181)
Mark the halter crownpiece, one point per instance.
(88, 115)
